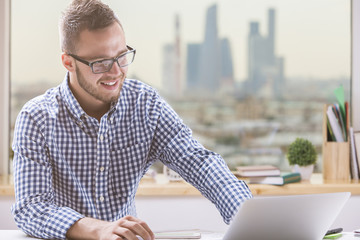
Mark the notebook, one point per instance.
(286, 217)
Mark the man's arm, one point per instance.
(127, 227)
(34, 210)
(174, 145)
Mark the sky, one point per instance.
(312, 35)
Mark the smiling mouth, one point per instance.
(109, 83)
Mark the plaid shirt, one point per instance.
(68, 165)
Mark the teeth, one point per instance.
(110, 83)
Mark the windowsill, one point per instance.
(162, 187)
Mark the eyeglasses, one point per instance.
(105, 65)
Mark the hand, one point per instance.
(124, 228)
(127, 227)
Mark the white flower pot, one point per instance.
(305, 171)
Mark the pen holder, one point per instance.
(336, 156)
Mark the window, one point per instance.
(247, 76)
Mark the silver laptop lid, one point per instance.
(286, 217)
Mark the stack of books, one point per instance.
(266, 174)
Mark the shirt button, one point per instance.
(102, 169)
(101, 137)
(101, 199)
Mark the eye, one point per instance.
(102, 66)
(106, 63)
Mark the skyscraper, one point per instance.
(192, 68)
(257, 58)
(264, 67)
(172, 74)
(227, 68)
(210, 59)
(209, 64)
(168, 69)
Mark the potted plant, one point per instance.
(302, 156)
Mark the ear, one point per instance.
(68, 62)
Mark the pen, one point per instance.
(335, 230)
(333, 236)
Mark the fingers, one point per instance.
(130, 226)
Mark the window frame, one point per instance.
(4, 86)
(355, 65)
(5, 6)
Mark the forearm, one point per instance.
(208, 172)
(43, 220)
(216, 182)
(86, 228)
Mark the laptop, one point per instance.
(286, 217)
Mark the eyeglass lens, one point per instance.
(104, 66)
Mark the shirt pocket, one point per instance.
(127, 168)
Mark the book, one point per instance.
(335, 124)
(284, 178)
(257, 171)
(341, 119)
(331, 136)
(353, 163)
(357, 148)
(177, 235)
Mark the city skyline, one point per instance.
(325, 38)
(240, 129)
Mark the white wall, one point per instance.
(6, 219)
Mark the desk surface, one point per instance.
(19, 235)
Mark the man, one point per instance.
(81, 149)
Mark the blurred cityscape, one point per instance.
(249, 121)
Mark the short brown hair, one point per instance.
(81, 15)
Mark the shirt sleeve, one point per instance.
(207, 171)
(34, 210)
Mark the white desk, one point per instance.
(19, 235)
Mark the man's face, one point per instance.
(93, 46)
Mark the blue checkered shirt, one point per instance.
(68, 165)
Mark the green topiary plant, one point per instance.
(301, 152)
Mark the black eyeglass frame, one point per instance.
(90, 64)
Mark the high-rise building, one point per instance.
(264, 67)
(271, 35)
(257, 58)
(227, 69)
(168, 69)
(172, 72)
(210, 58)
(178, 72)
(192, 68)
(209, 64)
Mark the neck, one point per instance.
(92, 106)
(95, 110)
